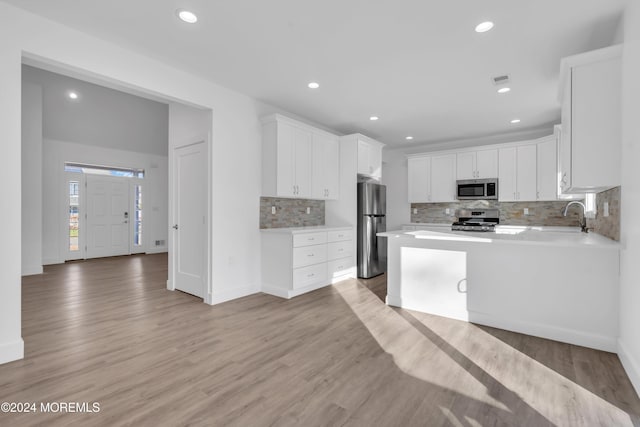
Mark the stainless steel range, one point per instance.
(476, 220)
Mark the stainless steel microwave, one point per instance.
(477, 189)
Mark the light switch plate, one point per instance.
(605, 209)
(308, 210)
(526, 211)
(415, 211)
(273, 210)
(447, 211)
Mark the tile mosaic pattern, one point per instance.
(511, 213)
(607, 226)
(290, 212)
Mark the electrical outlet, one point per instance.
(447, 211)
(526, 211)
(605, 209)
(415, 211)
(273, 210)
(308, 210)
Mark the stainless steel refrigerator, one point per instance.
(372, 250)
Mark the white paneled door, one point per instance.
(107, 216)
(190, 177)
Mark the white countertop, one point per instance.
(311, 229)
(554, 236)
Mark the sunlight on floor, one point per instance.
(416, 347)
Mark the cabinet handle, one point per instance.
(518, 195)
(514, 196)
(340, 250)
(340, 267)
(311, 238)
(538, 195)
(310, 275)
(310, 255)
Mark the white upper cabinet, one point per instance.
(547, 169)
(517, 180)
(443, 178)
(369, 157)
(590, 146)
(432, 178)
(325, 166)
(298, 160)
(419, 179)
(477, 164)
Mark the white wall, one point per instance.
(155, 184)
(235, 156)
(394, 176)
(31, 179)
(629, 343)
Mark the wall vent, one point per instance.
(501, 80)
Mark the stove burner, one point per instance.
(476, 220)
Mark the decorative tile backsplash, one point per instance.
(511, 213)
(290, 212)
(540, 213)
(607, 226)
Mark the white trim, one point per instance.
(230, 294)
(630, 364)
(31, 270)
(157, 250)
(570, 336)
(10, 351)
(290, 293)
(170, 286)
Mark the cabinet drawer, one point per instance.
(339, 268)
(307, 239)
(311, 275)
(340, 235)
(308, 255)
(337, 250)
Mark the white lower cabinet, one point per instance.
(296, 261)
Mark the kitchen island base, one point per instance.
(563, 289)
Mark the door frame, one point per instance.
(207, 288)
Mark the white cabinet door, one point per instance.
(526, 180)
(364, 166)
(466, 165)
(564, 140)
(419, 179)
(325, 167)
(547, 169)
(286, 172)
(487, 164)
(370, 158)
(302, 162)
(507, 187)
(443, 178)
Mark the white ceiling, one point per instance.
(417, 64)
(100, 116)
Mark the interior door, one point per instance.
(190, 177)
(107, 216)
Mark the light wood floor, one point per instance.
(108, 331)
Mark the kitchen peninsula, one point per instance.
(560, 285)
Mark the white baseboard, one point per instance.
(631, 365)
(225, 295)
(51, 261)
(158, 250)
(31, 270)
(290, 293)
(11, 351)
(170, 285)
(570, 336)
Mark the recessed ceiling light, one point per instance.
(484, 27)
(504, 90)
(313, 85)
(514, 121)
(409, 138)
(73, 95)
(374, 118)
(187, 16)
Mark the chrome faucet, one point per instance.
(583, 222)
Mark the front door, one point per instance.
(190, 177)
(107, 216)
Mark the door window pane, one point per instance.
(137, 217)
(74, 215)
